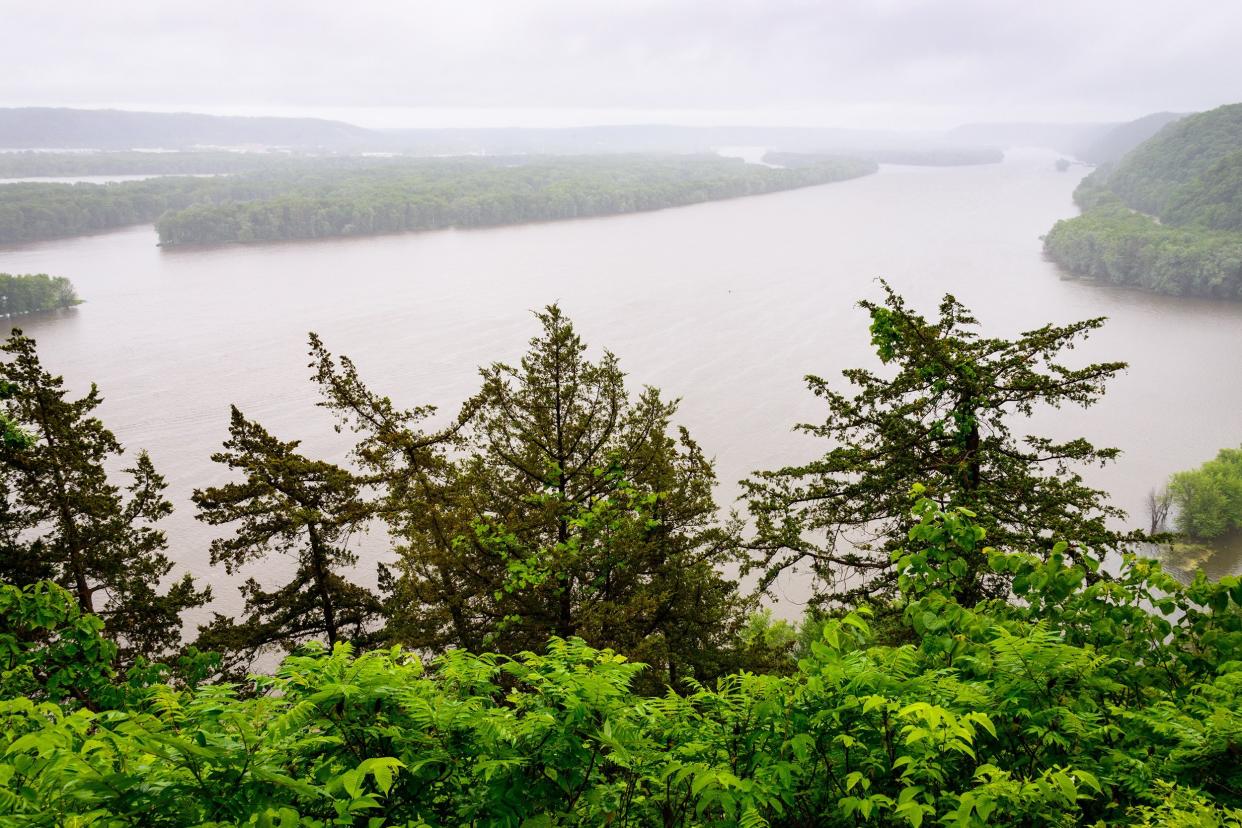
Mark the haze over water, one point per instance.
(726, 305)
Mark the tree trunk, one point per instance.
(320, 570)
(73, 543)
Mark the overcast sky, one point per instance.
(873, 63)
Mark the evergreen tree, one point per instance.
(63, 519)
(555, 505)
(420, 499)
(944, 420)
(289, 504)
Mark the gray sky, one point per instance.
(871, 63)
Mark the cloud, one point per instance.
(845, 59)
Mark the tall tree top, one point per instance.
(943, 418)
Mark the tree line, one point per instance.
(315, 198)
(1113, 244)
(561, 566)
(1207, 501)
(34, 292)
(430, 197)
(35, 211)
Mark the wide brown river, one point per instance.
(726, 305)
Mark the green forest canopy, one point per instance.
(1208, 499)
(30, 293)
(1168, 216)
(341, 197)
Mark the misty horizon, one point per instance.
(540, 119)
(894, 65)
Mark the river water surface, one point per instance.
(726, 305)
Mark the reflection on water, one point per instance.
(1217, 558)
(726, 305)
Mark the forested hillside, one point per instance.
(343, 197)
(79, 129)
(55, 127)
(558, 640)
(1168, 216)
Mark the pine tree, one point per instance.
(942, 419)
(554, 504)
(584, 516)
(420, 499)
(63, 519)
(288, 504)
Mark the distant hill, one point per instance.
(47, 128)
(1114, 144)
(1168, 216)
(1183, 174)
(927, 146)
(1071, 139)
(77, 129)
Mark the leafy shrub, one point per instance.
(1083, 701)
(1209, 498)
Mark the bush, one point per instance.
(1083, 703)
(1209, 499)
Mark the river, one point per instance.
(726, 305)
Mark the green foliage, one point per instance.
(30, 212)
(555, 505)
(431, 195)
(1168, 216)
(999, 676)
(1183, 156)
(1082, 704)
(35, 292)
(65, 520)
(50, 650)
(306, 199)
(1208, 500)
(771, 644)
(943, 417)
(1113, 244)
(286, 503)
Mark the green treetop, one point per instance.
(1208, 499)
(66, 521)
(556, 504)
(943, 418)
(285, 503)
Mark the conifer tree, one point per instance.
(555, 504)
(63, 519)
(421, 500)
(943, 419)
(285, 503)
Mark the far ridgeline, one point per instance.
(1167, 217)
(309, 199)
